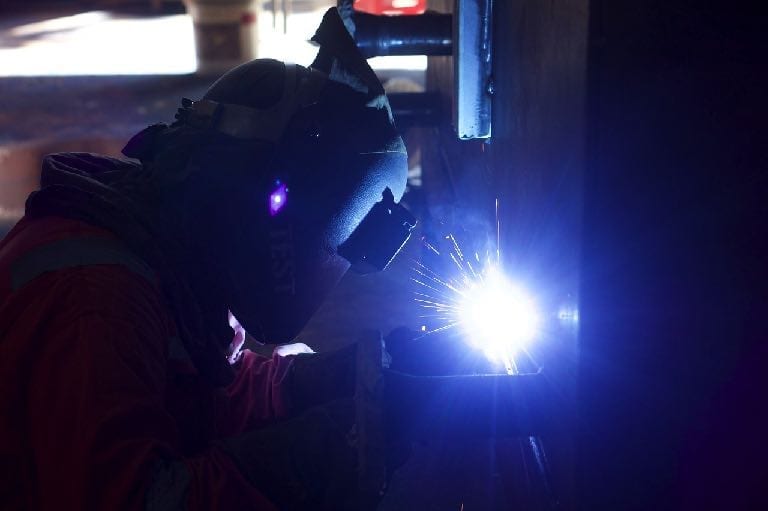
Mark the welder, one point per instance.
(122, 382)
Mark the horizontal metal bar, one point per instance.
(425, 34)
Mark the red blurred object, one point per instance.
(391, 7)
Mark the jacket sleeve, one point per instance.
(259, 394)
(98, 429)
(283, 386)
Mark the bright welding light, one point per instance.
(498, 317)
(278, 198)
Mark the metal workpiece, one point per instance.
(425, 34)
(482, 406)
(472, 52)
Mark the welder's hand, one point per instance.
(420, 354)
(304, 463)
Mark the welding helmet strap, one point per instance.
(268, 124)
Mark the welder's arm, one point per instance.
(257, 396)
(263, 388)
(290, 381)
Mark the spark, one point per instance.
(493, 314)
(278, 198)
(429, 246)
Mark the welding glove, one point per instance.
(356, 370)
(318, 378)
(333, 454)
(308, 462)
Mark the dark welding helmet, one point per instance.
(327, 194)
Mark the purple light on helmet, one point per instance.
(278, 198)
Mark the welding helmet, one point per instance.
(326, 195)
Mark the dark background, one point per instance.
(673, 270)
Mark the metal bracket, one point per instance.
(472, 62)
